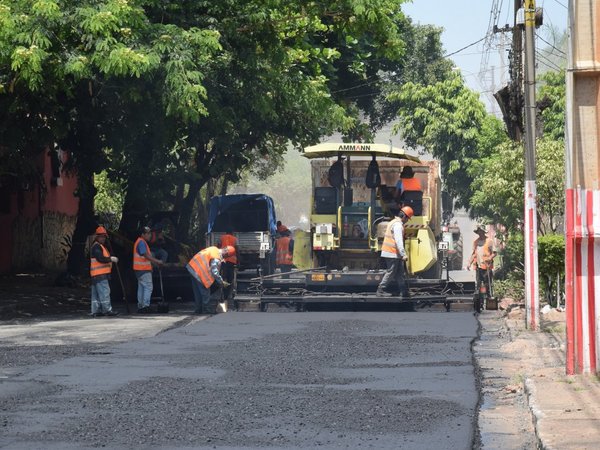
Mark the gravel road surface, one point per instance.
(246, 380)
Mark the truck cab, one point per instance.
(251, 218)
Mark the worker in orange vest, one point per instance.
(204, 269)
(284, 251)
(100, 269)
(394, 255)
(482, 259)
(142, 266)
(230, 262)
(407, 182)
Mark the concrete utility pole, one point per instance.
(582, 189)
(532, 299)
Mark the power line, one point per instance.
(561, 4)
(551, 45)
(465, 47)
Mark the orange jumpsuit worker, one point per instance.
(230, 262)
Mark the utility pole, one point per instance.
(531, 247)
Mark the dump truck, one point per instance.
(251, 219)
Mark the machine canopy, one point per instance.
(332, 149)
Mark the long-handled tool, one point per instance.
(122, 288)
(489, 277)
(119, 277)
(163, 305)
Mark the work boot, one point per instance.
(382, 293)
(112, 313)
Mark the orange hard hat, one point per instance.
(100, 230)
(228, 250)
(408, 211)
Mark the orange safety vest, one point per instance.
(488, 251)
(200, 264)
(389, 243)
(99, 268)
(283, 255)
(140, 263)
(228, 239)
(410, 184)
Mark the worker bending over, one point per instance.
(394, 255)
(204, 269)
(230, 262)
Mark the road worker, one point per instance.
(142, 266)
(407, 182)
(395, 257)
(100, 269)
(284, 248)
(204, 269)
(482, 259)
(230, 262)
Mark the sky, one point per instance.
(467, 21)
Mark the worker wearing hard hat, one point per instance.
(143, 259)
(100, 269)
(394, 255)
(284, 246)
(204, 269)
(231, 261)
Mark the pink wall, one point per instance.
(58, 198)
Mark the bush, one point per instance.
(511, 287)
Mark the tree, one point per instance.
(498, 185)
(448, 120)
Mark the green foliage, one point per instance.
(551, 102)
(108, 200)
(445, 119)
(498, 185)
(551, 263)
(511, 287)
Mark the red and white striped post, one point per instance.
(582, 193)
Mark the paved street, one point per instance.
(247, 380)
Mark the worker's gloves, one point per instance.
(405, 258)
(226, 284)
(114, 259)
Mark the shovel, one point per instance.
(120, 278)
(163, 305)
(222, 304)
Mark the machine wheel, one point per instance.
(433, 273)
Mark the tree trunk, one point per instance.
(77, 263)
(186, 211)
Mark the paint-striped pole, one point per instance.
(582, 188)
(530, 211)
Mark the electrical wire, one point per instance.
(551, 45)
(465, 47)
